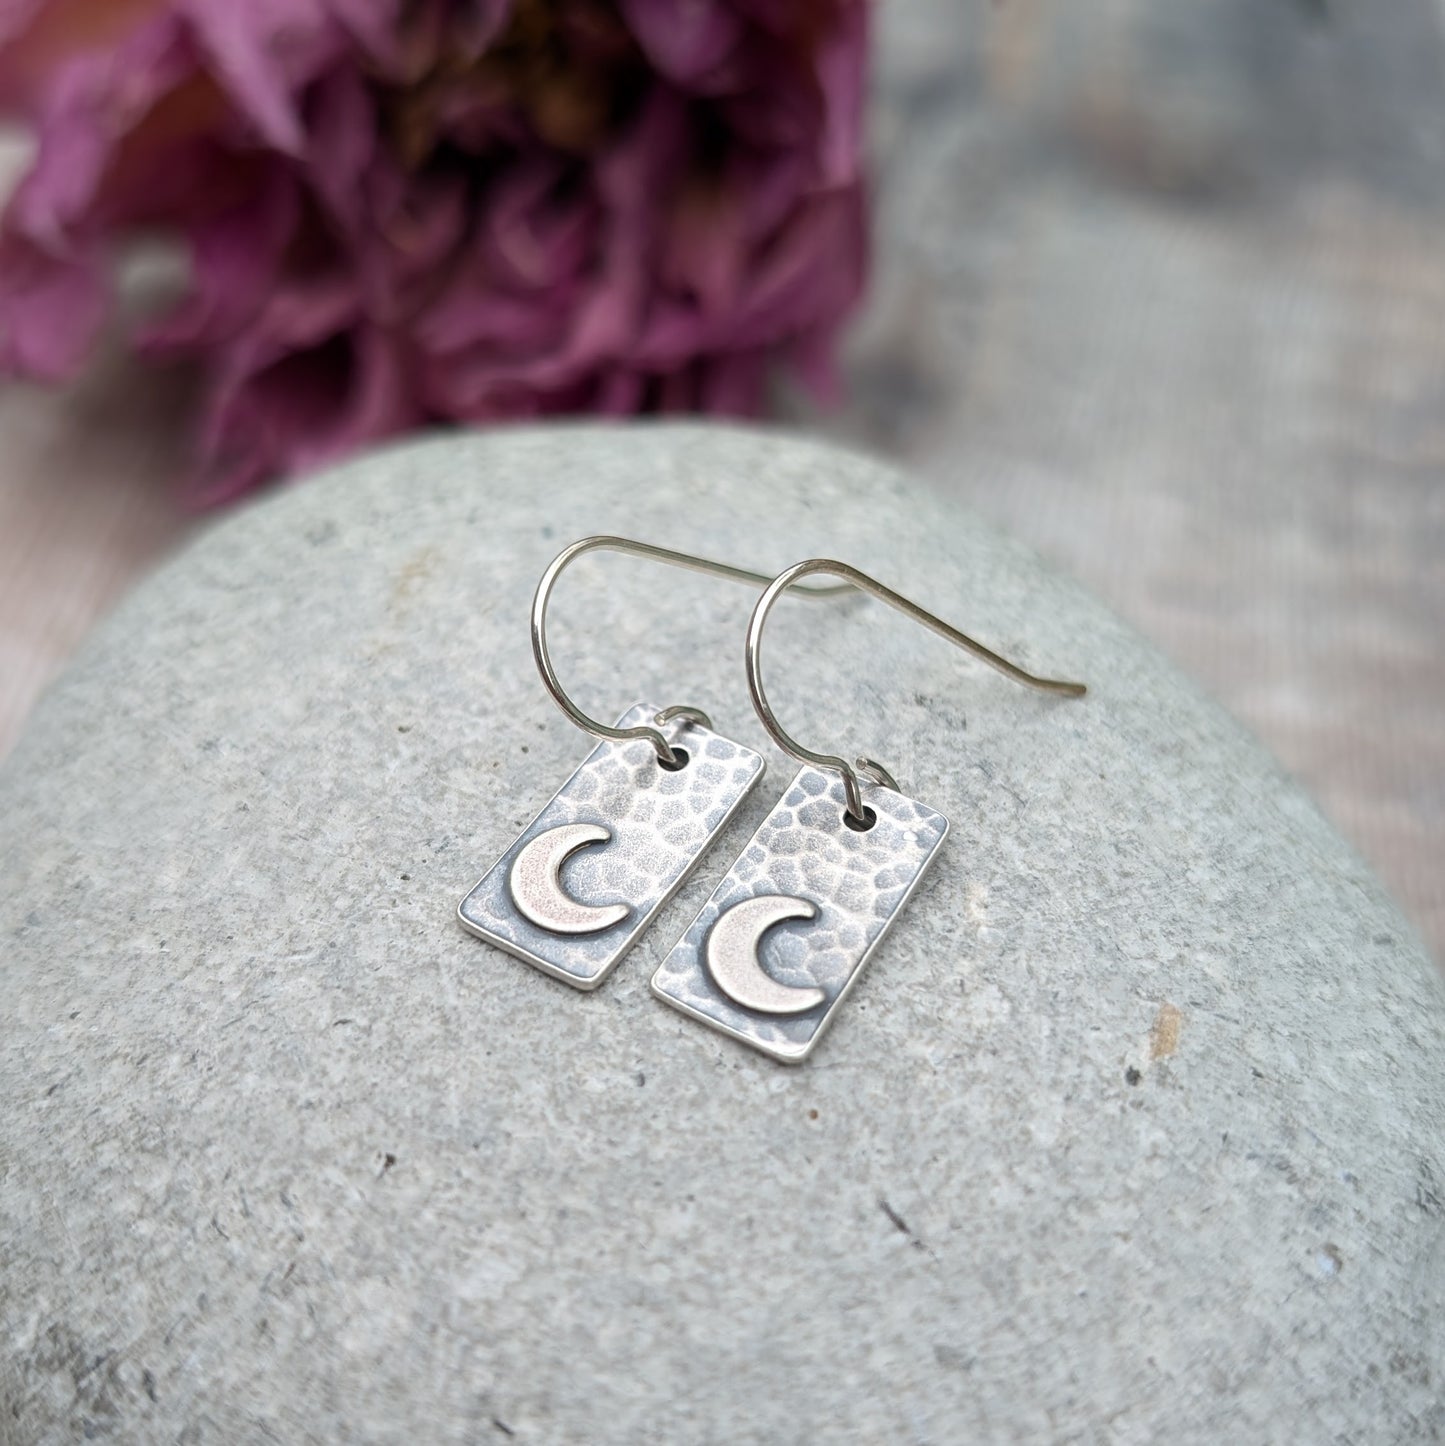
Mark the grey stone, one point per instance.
(1131, 1130)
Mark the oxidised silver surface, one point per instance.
(658, 823)
(858, 882)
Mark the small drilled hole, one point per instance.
(680, 759)
(860, 825)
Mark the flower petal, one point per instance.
(38, 36)
(684, 39)
(842, 72)
(255, 45)
(52, 309)
(341, 143)
(235, 259)
(94, 104)
(410, 210)
(304, 408)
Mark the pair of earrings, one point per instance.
(824, 876)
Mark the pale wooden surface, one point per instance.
(1161, 287)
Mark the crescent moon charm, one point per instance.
(535, 883)
(732, 955)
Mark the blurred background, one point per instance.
(1158, 286)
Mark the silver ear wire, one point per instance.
(860, 580)
(687, 560)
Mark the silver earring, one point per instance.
(645, 805)
(833, 864)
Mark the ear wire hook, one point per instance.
(911, 610)
(543, 655)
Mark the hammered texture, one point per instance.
(858, 881)
(661, 824)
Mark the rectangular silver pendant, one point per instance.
(818, 896)
(585, 878)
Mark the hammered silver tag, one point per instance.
(786, 934)
(576, 890)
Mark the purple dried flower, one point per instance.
(405, 211)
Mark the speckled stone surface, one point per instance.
(1131, 1130)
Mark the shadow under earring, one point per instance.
(824, 877)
